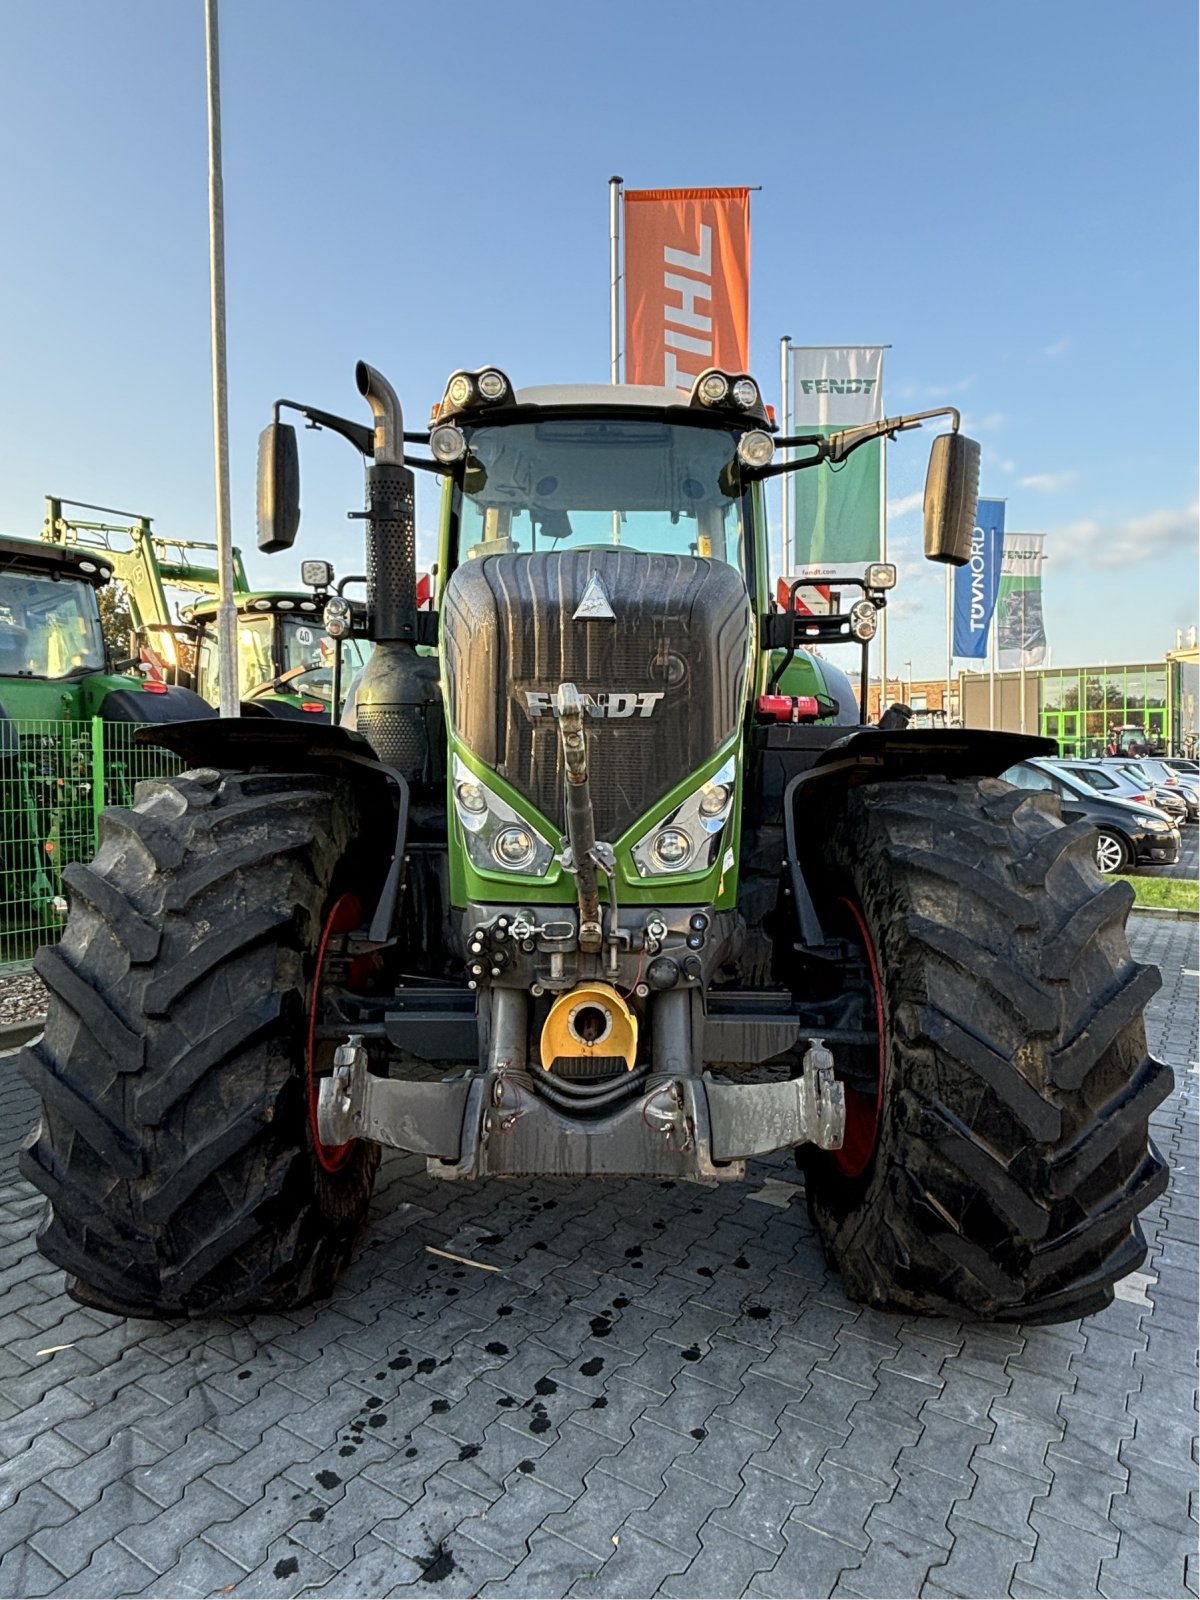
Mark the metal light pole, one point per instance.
(226, 609)
(614, 278)
(785, 397)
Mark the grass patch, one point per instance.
(1181, 894)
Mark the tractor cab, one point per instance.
(50, 633)
(286, 659)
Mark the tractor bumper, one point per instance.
(494, 1124)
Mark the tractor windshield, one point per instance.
(49, 627)
(568, 483)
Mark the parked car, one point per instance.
(1183, 765)
(1127, 835)
(1163, 773)
(1168, 786)
(1122, 780)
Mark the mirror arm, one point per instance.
(361, 437)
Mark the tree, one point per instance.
(116, 619)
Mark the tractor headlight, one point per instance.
(863, 620)
(497, 837)
(745, 393)
(447, 444)
(672, 849)
(881, 575)
(514, 848)
(336, 617)
(755, 448)
(459, 390)
(493, 385)
(714, 386)
(471, 797)
(689, 839)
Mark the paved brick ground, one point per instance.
(662, 1393)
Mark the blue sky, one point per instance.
(1004, 194)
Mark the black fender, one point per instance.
(267, 743)
(876, 755)
(174, 703)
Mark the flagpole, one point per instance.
(883, 616)
(785, 345)
(949, 641)
(614, 277)
(992, 671)
(1023, 638)
(226, 607)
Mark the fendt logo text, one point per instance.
(837, 385)
(541, 703)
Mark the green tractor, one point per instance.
(612, 879)
(285, 659)
(57, 675)
(288, 666)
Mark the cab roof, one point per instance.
(68, 561)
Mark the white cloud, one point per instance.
(932, 391)
(1058, 348)
(988, 423)
(1128, 543)
(1051, 482)
(906, 503)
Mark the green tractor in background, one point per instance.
(613, 879)
(285, 658)
(57, 676)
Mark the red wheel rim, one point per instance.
(347, 913)
(863, 1111)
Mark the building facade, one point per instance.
(1081, 708)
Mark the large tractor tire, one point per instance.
(999, 1168)
(177, 1147)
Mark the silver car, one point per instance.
(1124, 780)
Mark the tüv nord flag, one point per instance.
(977, 584)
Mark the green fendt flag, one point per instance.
(838, 511)
(1020, 630)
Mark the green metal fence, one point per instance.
(55, 780)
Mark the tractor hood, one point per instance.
(658, 646)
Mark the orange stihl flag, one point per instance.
(687, 283)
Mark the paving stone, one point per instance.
(434, 1515)
(244, 1474)
(71, 1545)
(638, 1565)
(759, 1405)
(721, 1454)
(161, 1541)
(828, 1403)
(982, 1561)
(1154, 1492)
(48, 1454)
(725, 1565)
(762, 1506)
(34, 1510)
(247, 1536)
(335, 1530)
(812, 1564)
(549, 1568)
(126, 1456)
(1067, 1559)
(644, 1461)
(920, 1504)
(1000, 1499)
(408, 1473)
(613, 1413)
(24, 1572)
(842, 1504)
(675, 1515)
(1020, 1443)
(287, 1570)
(895, 1566)
(112, 1570)
(945, 1446)
(599, 1512)
(797, 1453)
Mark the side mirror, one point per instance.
(278, 488)
(951, 495)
